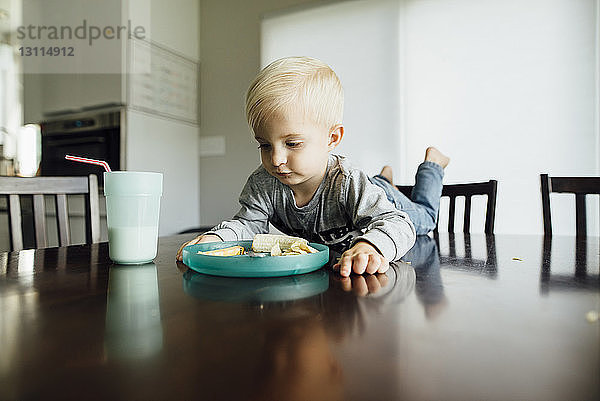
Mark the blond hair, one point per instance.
(290, 83)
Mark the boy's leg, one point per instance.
(423, 213)
(428, 185)
(426, 194)
(423, 207)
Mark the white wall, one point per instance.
(507, 89)
(174, 152)
(50, 88)
(165, 145)
(176, 24)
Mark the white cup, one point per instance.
(132, 212)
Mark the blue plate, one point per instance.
(252, 266)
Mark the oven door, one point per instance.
(102, 144)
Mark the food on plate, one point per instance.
(283, 245)
(276, 250)
(273, 244)
(231, 251)
(265, 242)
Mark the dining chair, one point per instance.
(36, 187)
(467, 190)
(579, 186)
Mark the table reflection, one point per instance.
(296, 362)
(255, 290)
(289, 328)
(577, 263)
(133, 327)
(424, 258)
(285, 330)
(459, 254)
(448, 326)
(396, 283)
(472, 259)
(19, 306)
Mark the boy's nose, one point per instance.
(278, 158)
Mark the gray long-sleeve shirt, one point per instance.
(346, 208)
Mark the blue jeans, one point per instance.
(424, 203)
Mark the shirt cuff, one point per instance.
(380, 240)
(226, 234)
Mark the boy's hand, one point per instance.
(362, 257)
(198, 240)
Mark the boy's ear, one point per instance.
(335, 136)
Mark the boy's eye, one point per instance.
(293, 144)
(263, 146)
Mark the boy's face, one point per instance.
(295, 151)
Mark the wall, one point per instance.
(174, 24)
(508, 89)
(174, 152)
(51, 92)
(166, 145)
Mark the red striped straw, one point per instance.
(89, 161)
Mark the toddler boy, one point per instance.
(294, 107)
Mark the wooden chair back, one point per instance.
(59, 187)
(468, 190)
(579, 186)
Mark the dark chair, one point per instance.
(452, 191)
(60, 187)
(580, 186)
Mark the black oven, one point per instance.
(95, 135)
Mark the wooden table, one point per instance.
(470, 318)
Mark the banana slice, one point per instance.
(231, 251)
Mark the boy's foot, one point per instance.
(386, 172)
(435, 156)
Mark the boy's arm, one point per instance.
(253, 216)
(388, 230)
(198, 240)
